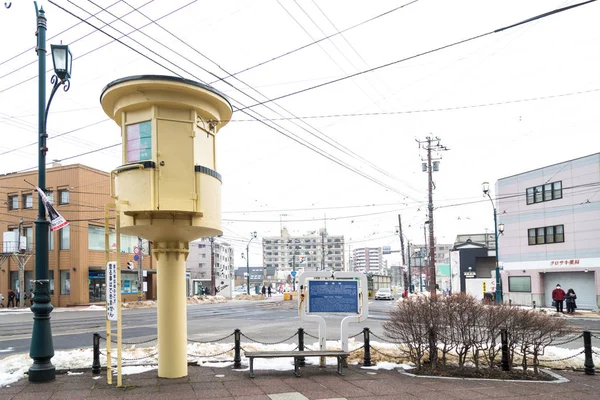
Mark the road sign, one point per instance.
(136, 250)
(136, 257)
(293, 273)
(111, 291)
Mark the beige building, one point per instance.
(312, 252)
(76, 252)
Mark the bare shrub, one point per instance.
(406, 326)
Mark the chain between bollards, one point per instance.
(587, 349)
(96, 363)
(237, 357)
(301, 361)
(367, 345)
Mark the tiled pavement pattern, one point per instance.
(224, 383)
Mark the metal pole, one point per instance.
(96, 362)
(248, 268)
(212, 267)
(140, 269)
(420, 271)
(302, 360)
(432, 278)
(410, 288)
(367, 353)
(42, 348)
(505, 358)
(237, 357)
(294, 269)
(498, 281)
(587, 349)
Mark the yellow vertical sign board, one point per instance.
(484, 286)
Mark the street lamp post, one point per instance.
(41, 348)
(498, 230)
(420, 270)
(252, 236)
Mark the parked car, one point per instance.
(384, 294)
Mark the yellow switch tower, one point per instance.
(168, 188)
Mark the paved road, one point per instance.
(267, 321)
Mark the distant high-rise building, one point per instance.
(368, 260)
(314, 251)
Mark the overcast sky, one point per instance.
(503, 103)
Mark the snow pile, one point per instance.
(250, 297)
(205, 299)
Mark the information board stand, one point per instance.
(338, 293)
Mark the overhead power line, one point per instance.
(289, 135)
(434, 50)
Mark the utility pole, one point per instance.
(212, 266)
(431, 144)
(401, 239)
(323, 250)
(140, 269)
(21, 266)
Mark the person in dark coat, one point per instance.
(264, 290)
(570, 301)
(11, 298)
(558, 296)
(269, 290)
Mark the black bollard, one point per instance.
(534, 304)
(96, 362)
(301, 361)
(367, 356)
(587, 349)
(509, 302)
(237, 358)
(505, 359)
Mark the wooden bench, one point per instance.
(340, 355)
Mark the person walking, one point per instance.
(570, 301)
(269, 290)
(264, 290)
(11, 298)
(558, 296)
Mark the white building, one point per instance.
(551, 234)
(198, 265)
(311, 252)
(368, 260)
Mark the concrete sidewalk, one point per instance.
(315, 383)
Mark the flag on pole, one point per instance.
(56, 220)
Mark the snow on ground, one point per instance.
(220, 355)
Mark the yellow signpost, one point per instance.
(168, 189)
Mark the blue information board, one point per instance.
(333, 296)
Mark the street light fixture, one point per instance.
(42, 348)
(252, 236)
(498, 230)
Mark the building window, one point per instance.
(50, 239)
(95, 237)
(65, 282)
(64, 239)
(546, 235)
(28, 233)
(63, 197)
(13, 202)
(50, 196)
(519, 284)
(545, 192)
(530, 197)
(28, 200)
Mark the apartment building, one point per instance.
(368, 260)
(311, 252)
(551, 232)
(76, 252)
(199, 266)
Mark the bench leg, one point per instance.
(296, 367)
(341, 360)
(251, 367)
